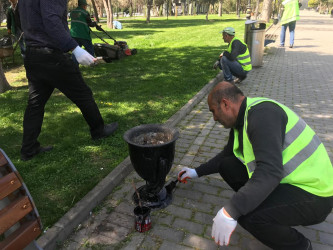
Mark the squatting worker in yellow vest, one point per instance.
(235, 61)
(80, 23)
(277, 166)
(288, 20)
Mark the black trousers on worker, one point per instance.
(46, 70)
(287, 206)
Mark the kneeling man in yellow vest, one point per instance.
(277, 166)
(236, 60)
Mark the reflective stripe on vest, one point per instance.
(244, 59)
(305, 160)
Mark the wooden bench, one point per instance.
(20, 223)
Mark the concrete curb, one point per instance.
(64, 227)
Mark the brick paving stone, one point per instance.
(213, 199)
(151, 243)
(204, 218)
(189, 226)
(167, 245)
(163, 219)
(187, 160)
(189, 194)
(168, 233)
(326, 238)
(252, 244)
(125, 207)
(198, 206)
(207, 189)
(134, 242)
(317, 246)
(198, 242)
(329, 218)
(179, 211)
(324, 226)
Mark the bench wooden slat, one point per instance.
(8, 184)
(14, 212)
(22, 237)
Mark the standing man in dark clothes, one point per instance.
(276, 164)
(236, 60)
(14, 24)
(49, 66)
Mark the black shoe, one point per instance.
(38, 151)
(238, 80)
(291, 45)
(107, 131)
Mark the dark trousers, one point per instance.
(46, 70)
(271, 222)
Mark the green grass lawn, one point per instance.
(173, 63)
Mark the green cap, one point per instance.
(229, 31)
(82, 3)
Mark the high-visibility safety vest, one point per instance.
(243, 59)
(291, 11)
(79, 26)
(306, 163)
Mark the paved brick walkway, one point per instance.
(301, 78)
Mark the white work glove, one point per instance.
(187, 173)
(216, 64)
(223, 227)
(83, 57)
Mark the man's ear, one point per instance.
(224, 103)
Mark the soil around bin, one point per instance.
(152, 138)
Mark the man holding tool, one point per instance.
(80, 23)
(277, 166)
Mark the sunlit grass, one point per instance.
(173, 63)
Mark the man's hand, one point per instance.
(83, 57)
(216, 64)
(223, 227)
(187, 173)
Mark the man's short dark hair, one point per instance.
(230, 91)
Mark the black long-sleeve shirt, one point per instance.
(266, 131)
(44, 24)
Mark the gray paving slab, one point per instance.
(300, 77)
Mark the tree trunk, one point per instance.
(109, 14)
(149, 3)
(256, 12)
(266, 10)
(207, 12)
(237, 8)
(95, 11)
(4, 85)
(220, 8)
